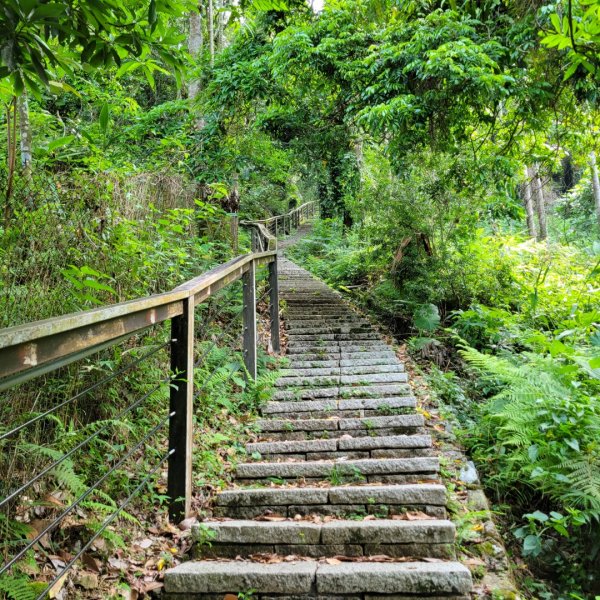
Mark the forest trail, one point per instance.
(339, 440)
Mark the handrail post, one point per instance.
(249, 319)
(274, 305)
(254, 238)
(179, 480)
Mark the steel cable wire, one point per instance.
(83, 496)
(94, 386)
(70, 453)
(104, 525)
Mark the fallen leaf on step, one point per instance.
(187, 523)
(55, 590)
(90, 562)
(333, 561)
(473, 562)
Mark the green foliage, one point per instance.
(41, 40)
(575, 27)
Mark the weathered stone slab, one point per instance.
(310, 360)
(272, 496)
(394, 421)
(272, 408)
(391, 402)
(357, 369)
(374, 359)
(390, 441)
(412, 550)
(315, 469)
(394, 578)
(384, 531)
(374, 391)
(312, 349)
(310, 372)
(391, 494)
(314, 363)
(263, 532)
(240, 576)
(305, 394)
(298, 425)
(293, 446)
(366, 379)
(308, 381)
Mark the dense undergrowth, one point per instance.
(508, 332)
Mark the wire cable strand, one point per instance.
(4, 568)
(104, 525)
(70, 453)
(94, 386)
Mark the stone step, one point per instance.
(332, 427)
(370, 346)
(334, 444)
(297, 409)
(343, 370)
(431, 538)
(329, 380)
(288, 502)
(343, 425)
(393, 446)
(333, 361)
(309, 578)
(312, 321)
(401, 470)
(344, 391)
(326, 338)
(328, 326)
(345, 358)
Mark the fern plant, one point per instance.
(540, 429)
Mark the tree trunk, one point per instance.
(25, 133)
(529, 204)
(220, 25)
(210, 17)
(595, 184)
(195, 43)
(11, 145)
(540, 205)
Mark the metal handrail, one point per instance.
(33, 349)
(265, 239)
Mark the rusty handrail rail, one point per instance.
(32, 349)
(264, 239)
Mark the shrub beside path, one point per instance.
(341, 496)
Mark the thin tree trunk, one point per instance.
(11, 145)
(195, 43)
(210, 17)
(529, 204)
(25, 133)
(540, 205)
(595, 184)
(220, 25)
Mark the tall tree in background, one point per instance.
(595, 184)
(529, 209)
(195, 44)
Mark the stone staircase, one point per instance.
(341, 498)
